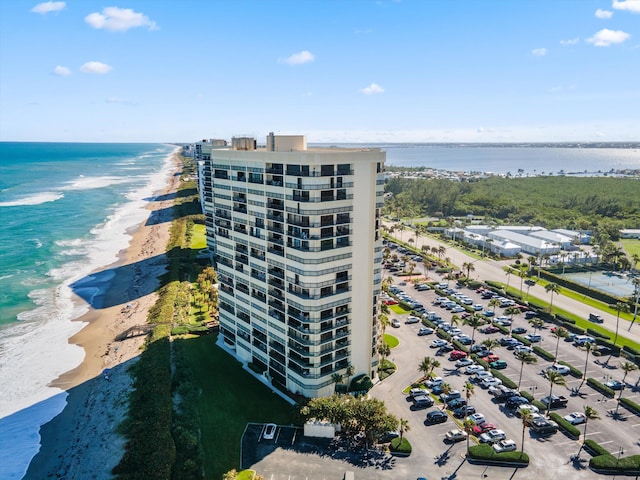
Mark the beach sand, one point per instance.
(82, 442)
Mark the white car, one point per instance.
(490, 382)
(562, 369)
(477, 418)
(473, 369)
(269, 431)
(463, 362)
(412, 319)
(492, 436)
(530, 408)
(481, 375)
(505, 446)
(477, 307)
(522, 349)
(432, 382)
(455, 331)
(438, 342)
(456, 435)
(395, 323)
(575, 418)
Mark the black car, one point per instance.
(436, 416)
(531, 283)
(465, 411)
(519, 330)
(615, 385)
(456, 403)
(516, 401)
(530, 314)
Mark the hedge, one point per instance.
(573, 370)
(543, 353)
(536, 403)
(506, 381)
(361, 382)
(597, 334)
(487, 453)
(594, 448)
(521, 339)
(602, 388)
(611, 463)
(630, 405)
(579, 288)
(565, 426)
(400, 445)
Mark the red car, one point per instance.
(482, 428)
(457, 355)
(491, 358)
(390, 302)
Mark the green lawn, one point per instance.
(390, 340)
(631, 246)
(398, 309)
(198, 238)
(230, 399)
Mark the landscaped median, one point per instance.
(485, 454)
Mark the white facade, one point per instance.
(298, 253)
(533, 246)
(629, 233)
(564, 241)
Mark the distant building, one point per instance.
(530, 245)
(298, 250)
(629, 233)
(563, 241)
(579, 237)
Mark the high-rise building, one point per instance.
(295, 234)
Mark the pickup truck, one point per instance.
(556, 401)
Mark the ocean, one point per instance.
(65, 211)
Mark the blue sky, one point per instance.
(337, 71)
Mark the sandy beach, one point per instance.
(82, 442)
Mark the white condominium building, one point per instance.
(297, 244)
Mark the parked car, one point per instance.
(416, 392)
(458, 354)
(498, 364)
(433, 381)
(456, 403)
(533, 338)
(269, 431)
(477, 307)
(477, 418)
(490, 382)
(482, 428)
(455, 435)
(515, 401)
(464, 411)
(519, 330)
(492, 436)
(505, 446)
(447, 397)
(555, 401)
(411, 319)
(425, 331)
(436, 416)
(575, 418)
(489, 329)
(395, 323)
(530, 314)
(562, 369)
(528, 407)
(473, 369)
(422, 401)
(438, 343)
(463, 362)
(615, 385)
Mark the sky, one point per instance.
(336, 71)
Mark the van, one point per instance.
(580, 340)
(595, 318)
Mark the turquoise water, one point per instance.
(65, 210)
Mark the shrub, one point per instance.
(630, 350)
(565, 426)
(630, 405)
(385, 368)
(597, 334)
(611, 463)
(594, 448)
(459, 346)
(543, 353)
(400, 446)
(506, 381)
(404, 305)
(180, 330)
(573, 370)
(602, 388)
(361, 382)
(487, 453)
(521, 339)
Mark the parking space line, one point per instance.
(636, 425)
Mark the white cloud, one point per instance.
(117, 19)
(372, 89)
(95, 67)
(539, 52)
(62, 71)
(47, 7)
(603, 14)
(606, 37)
(571, 41)
(304, 56)
(632, 6)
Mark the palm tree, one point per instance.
(627, 367)
(468, 425)
(384, 322)
(384, 349)
(620, 307)
(494, 302)
(522, 273)
(474, 321)
(349, 373)
(491, 343)
(230, 475)
(469, 390)
(559, 332)
(468, 266)
(555, 378)
(553, 288)
(441, 250)
(587, 347)
(526, 416)
(536, 323)
(427, 365)
(336, 378)
(404, 427)
(590, 413)
(512, 311)
(507, 272)
(524, 357)
(427, 266)
(455, 320)
(446, 390)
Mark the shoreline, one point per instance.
(82, 442)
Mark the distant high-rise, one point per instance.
(295, 234)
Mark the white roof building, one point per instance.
(531, 245)
(553, 237)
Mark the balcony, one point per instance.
(276, 205)
(276, 272)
